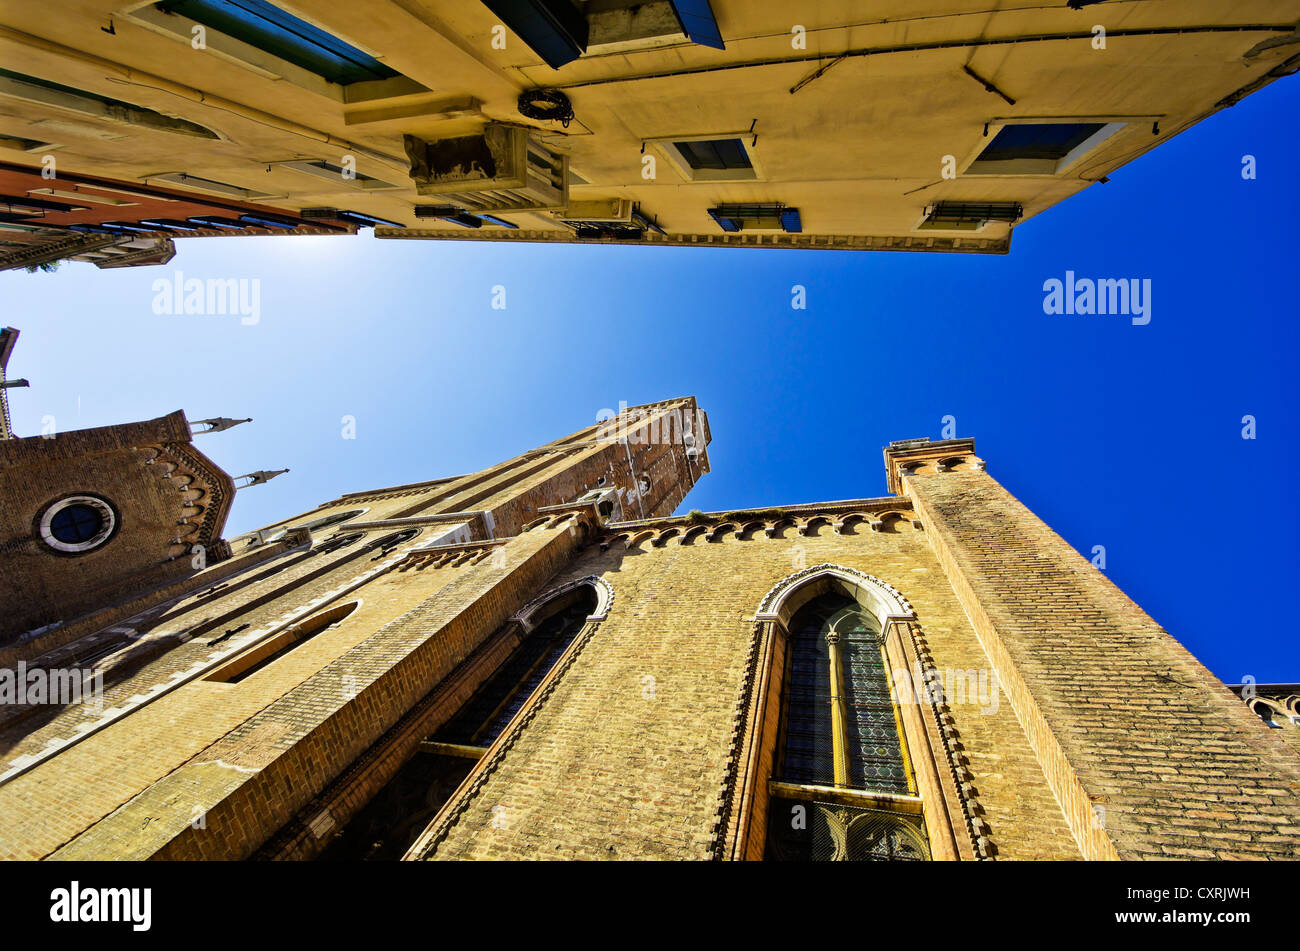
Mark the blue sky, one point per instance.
(1117, 435)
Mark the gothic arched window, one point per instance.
(840, 725)
(842, 785)
(395, 817)
(485, 715)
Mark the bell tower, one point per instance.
(637, 463)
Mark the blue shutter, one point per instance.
(555, 30)
(725, 223)
(698, 22)
(282, 34)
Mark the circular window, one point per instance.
(77, 524)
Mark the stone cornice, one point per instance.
(844, 507)
(915, 242)
(172, 428)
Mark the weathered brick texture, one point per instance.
(251, 781)
(168, 497)
(1102, 738)
(1122, 716)
(627, 756)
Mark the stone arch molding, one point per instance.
(954, 819)
(604, 600)
(793, 591)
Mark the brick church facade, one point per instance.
(540, 660)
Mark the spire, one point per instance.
(217, 424)
(259, 477)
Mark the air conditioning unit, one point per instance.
(503, 168)
(601, 211)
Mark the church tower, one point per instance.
(639, 463)
(192, 640)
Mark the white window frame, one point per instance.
(1114, 129)
(666, 146)
(106, 530)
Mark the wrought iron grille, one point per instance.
(806, 830)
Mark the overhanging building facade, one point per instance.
(922, 126)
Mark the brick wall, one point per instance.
(252, 780)
(605, 770)
(161, 489)
(1149, 754)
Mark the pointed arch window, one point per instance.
(543, 631)
(481, 720)
(831, 743)
(840, 726)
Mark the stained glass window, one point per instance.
(873, 755)
(842, 782)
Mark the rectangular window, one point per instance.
(335, 173)
(765, 217)
(556, 30)
(710, 158)
(93, 105)
(626, 26)
(80, 196)
(20, 144)
(1039, 147)
(560, 31)
(714, 154)
(211, 186)
(281, 34)
(459, 216)
(698, 22)
(968, 215)
(1035, 140)
(26, 205)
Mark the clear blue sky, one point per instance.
(1116, 435)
